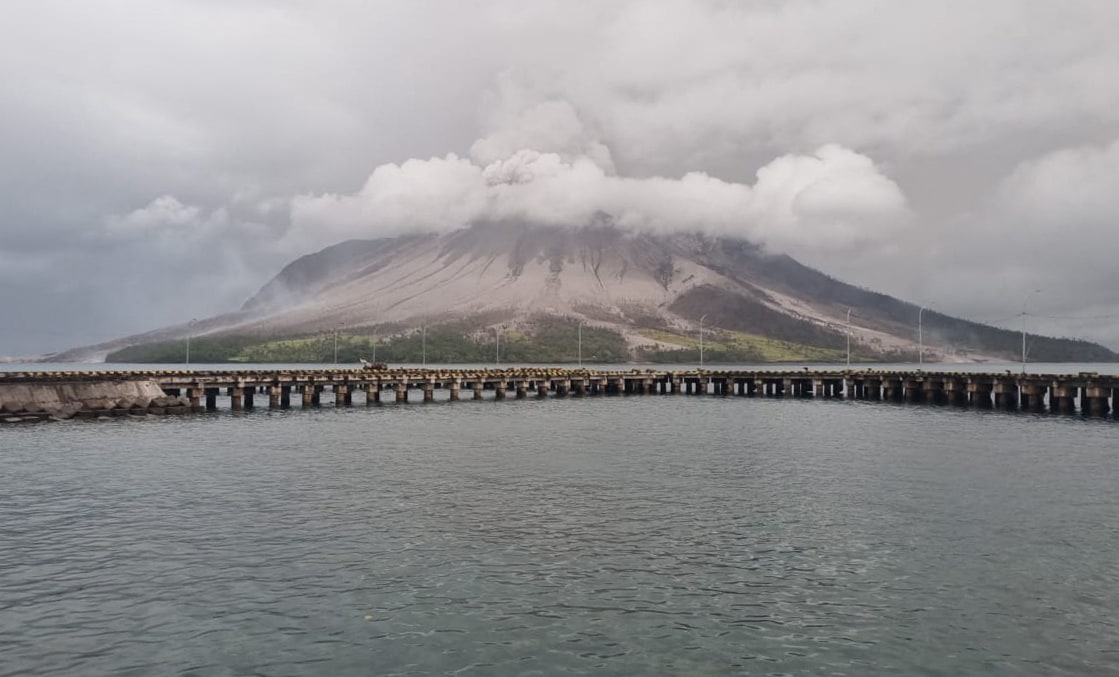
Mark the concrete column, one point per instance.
(933, 391)
(979, 393)
(911, 389)
(308, 395)
(402, 390)
(542, 388)
(579, 385)
(274, 397)
(954, 392)
(237, 398)
(372, 394)
(522, 390)
(1095, 398)
(563, 386)
(478, 385)
(1006, 394)
(195, 395)
(499, 390)
(1064, 398)
(456, 389)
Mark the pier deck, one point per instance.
(1087, 393)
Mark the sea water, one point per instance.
(602, 536)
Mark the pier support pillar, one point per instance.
(954, 393)
(372, 394)
(1064, 398)
(237, 398)
(1006, 394)
(456, 389)
(478, 385)
(522, 390)
(274, 397)
(979, 394)
(402, 390)
(1032, 394)
(542, 388)
(195, 395)
(308, 395)
(499, 390)
(1095, 399)
(212, 399)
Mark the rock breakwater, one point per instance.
(21, 403)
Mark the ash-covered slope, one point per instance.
(648, 287)
(504, 273)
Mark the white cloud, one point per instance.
(832, 199)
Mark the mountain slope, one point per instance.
(504, 273)
(655, 290)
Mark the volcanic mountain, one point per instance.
(654, 290)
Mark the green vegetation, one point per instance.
(546, 340)
(733, 346)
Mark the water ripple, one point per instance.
(613, 537)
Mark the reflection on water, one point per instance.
(656, 535)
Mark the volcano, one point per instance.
(652, 289)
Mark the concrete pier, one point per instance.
(1085, 394)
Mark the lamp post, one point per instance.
(497, 346)
(374, 346)
(848, 338)
(701, 319)
(190, 328)
(336, 329)
(1024, 299)
(579, 340)
(920, 338)
(423, 345)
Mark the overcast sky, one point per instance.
(160, 160)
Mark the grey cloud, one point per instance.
(993, 122)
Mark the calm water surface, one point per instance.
(608, 536)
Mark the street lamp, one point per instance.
(701, 319)
(848, 338)
(343, 324)
(374, 346)
(579, 335)
(190, 327)
(497, 346)
(920, 338)
(1024, 299)
(423, 344)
